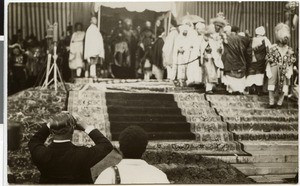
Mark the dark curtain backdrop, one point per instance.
(31, 17)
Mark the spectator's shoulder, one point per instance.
(106, 177)
(158, 173)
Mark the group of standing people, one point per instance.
(217, 54)
(124, 53)
(220, 55)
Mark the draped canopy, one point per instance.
(140, 6)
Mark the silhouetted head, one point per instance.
(78, 26)
(133, 142)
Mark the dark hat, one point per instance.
(235, 29)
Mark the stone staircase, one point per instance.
(269, 135)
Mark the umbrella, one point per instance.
(191, 18)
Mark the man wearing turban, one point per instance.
(257, 67)
(280, 60)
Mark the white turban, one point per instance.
(242, 34)
(200, 25)
(227, 29)
(260, 31)
(282, 32)
(183, 28)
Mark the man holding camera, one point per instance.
(62, 162)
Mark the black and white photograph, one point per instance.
(173, 92)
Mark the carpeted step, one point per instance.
(139, 96)
(257, 118)
(166, 135)
(251, 105)
(215, 126)
(267, 168)
(285, 135)
(155, 126)
(141, 103)
(259, 112)
(263, 158)
(146, 118)
(263, 126)
(143, 110)
(200, 118)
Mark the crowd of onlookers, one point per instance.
(119, 54)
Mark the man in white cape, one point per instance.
(93, 48)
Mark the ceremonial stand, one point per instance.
(52, 66)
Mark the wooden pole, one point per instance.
(55, 66)
(99, 16)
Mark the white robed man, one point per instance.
(94, 48)
(210, 58)
(220, 23)
(182, 54)
(193, 71)
(168, 49)
(76, 50)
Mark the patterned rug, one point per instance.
(31, 108)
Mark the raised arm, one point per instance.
(102, 146)
(36, 143)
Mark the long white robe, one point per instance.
(93, 43)
(76, 50)
(194, 72)
(169, 47)
(181, 56)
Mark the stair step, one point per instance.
(273, 178)
(141, 110)
(146, 118)
(252, 105)
(250, 112)
(243, 98)
(141, 103)
(258, 118)
(286, 135)
(155, 126)
(267, 168)
(163, 135)
(139, 96)
(266, 127)
(266, 158)
(276, 147)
